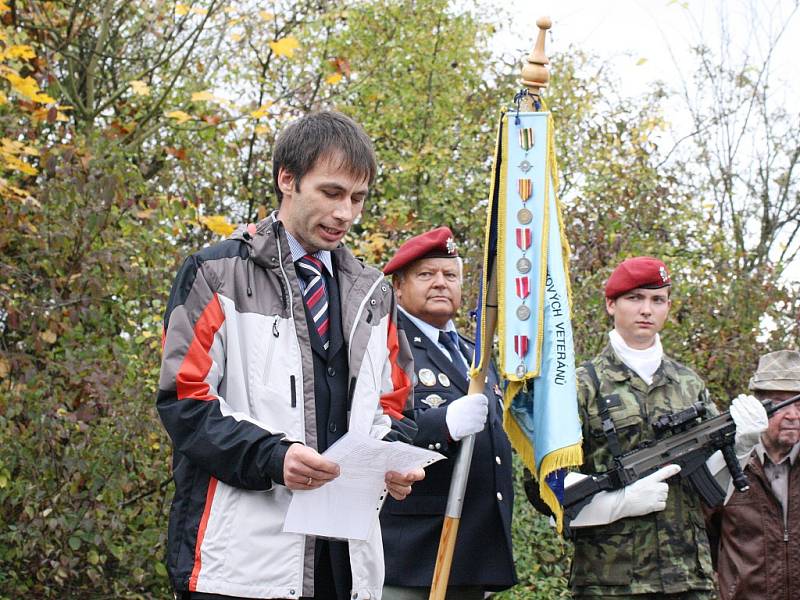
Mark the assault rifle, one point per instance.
(681, 439)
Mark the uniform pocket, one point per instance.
(624, 415)
(602, 558)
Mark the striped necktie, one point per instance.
(315, 295)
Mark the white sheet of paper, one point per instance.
(348, 506)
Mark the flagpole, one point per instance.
(534, 77)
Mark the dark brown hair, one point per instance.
(323, 135)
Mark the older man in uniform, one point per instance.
(647, 540)
(758, 530)
(427, 280)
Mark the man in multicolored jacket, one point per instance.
(647, 540)
(277, 342)
(758, 530)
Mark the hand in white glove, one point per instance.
(642, 497)
(466, 415)
(751, 421)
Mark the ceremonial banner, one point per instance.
(526, 245)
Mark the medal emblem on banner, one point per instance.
(524, 248)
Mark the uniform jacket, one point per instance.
(237, 383)
(757, 556)
(411, 528)
(662, 552)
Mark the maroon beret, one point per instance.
(436, 243)
(638, 272)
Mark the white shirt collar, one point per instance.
(298, 252)
(430, 332)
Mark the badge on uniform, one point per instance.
(427, 377)
(434, 400)
(444, 380)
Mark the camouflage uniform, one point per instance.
(663, 552)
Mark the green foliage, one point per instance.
(81, 337)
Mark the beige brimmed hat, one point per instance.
(778, 372)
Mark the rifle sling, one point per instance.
(605, 415)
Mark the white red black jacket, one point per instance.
(236, 384)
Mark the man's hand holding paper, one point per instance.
(347, 506)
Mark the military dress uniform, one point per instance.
(661, 553)
(411, 529)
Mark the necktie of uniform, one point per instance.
(315, 295)
(448, 339)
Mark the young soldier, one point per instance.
(277, 342)
(647, 540)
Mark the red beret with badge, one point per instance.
(436, 243)
(638, 272)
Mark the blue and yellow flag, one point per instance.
(526, 247)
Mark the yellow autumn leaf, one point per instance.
(218, 224)
(3, 6)
(180, 116)
(199, 11)
(140, 88)
(27, 86)
(181, 9)
(641, 61)
(236, 37)
(262, 129)
(285, 46)
(3, 99)
(5, 368)
(261, 111)
(266, 15)
(20, 51)
(205, 96)
(12, 162)
(48, 336)
(333, 78)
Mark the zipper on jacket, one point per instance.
(293, 390)
(271, 348)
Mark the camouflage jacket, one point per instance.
(662, 552)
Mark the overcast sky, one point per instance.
(661, 32)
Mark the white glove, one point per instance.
(466, 415)
(751, 421)
(642, 497)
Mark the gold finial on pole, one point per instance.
(535, 75)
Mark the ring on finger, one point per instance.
(310, 480)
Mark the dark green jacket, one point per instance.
(662, 552)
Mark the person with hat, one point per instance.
(278, 342)
(647, 540)
(758, 530)
(427, 275)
